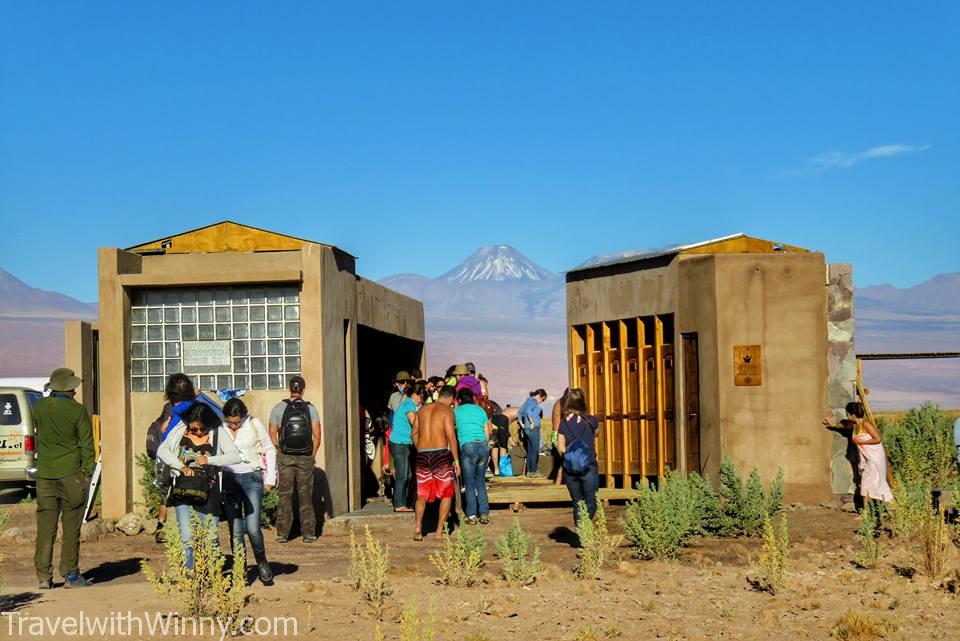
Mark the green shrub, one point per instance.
(869, 552)
(911, 501)
(920, 448)
(775, 556)
(412, 627)
(743, 508)
(462, 557)
(709, 514)
(369, 564)
(152, 498)
(205, 591)
(513, 548)
(268, 510)
(659, 521)
(597, 545)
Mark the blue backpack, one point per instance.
(577, 458)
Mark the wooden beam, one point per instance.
(607, 405)
(661, 423)
(642, 383)
(574, 370)
(588, 349)
(624, 420)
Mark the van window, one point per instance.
(9, 410)
(33, 397)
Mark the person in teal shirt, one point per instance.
(401, 445)
(473, 435)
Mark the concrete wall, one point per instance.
(775, 301)
(78, 356)
(332, 297)
(622, 292)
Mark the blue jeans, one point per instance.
(242, 502)
(473, 459)
(400, 460)
(583, 488)
(533, 448)
(184, 516)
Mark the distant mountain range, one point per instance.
(504, 312)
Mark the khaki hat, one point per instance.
(402, 375)
(63, 380)
(461, 370)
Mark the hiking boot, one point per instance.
(46, 584)
(309, 539)
(76, 580)
(159, 536)
(281, 538)
(485, 520)
(266, 572)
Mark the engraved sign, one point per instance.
(205, 357)
(747, 365)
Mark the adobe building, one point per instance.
(237, 307)
(715, 349)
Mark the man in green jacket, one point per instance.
(65, 463)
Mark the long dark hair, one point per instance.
(574, 402)
(234, 408)
(856, 409)
(419, 388)
(539, 392)
(202, 413)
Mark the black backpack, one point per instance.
(155, 431)
(296, 430)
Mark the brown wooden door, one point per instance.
(691, 400)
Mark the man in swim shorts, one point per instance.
(438, 460)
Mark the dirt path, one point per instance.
(704, 595)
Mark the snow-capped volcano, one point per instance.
(498, 263)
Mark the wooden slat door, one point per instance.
(691, 400)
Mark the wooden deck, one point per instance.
(521, 490)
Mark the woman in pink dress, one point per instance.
(873, 458)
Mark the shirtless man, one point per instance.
(438, 460)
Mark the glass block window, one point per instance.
(222, 337)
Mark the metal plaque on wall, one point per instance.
(747, 365)
(206, 357)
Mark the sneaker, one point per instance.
(485, 520)
(472, 520)
(281, 539)
(309, 539)
(76, 580)
(46, 584)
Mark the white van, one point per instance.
(17, 442)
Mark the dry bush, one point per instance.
(854, 626)
(4, 518)
(412, 627)
(597, 545)
(204, 591)
(513, 548)
(935, 536)
(869, 552)
(462, 557)
(369, 564)
(774, 558)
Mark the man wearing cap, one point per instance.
(65, 463)
(399, 383)
(295, 461)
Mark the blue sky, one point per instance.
(412, 133)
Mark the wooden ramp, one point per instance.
(522, 491)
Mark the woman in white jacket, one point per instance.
(198, 447)
(245, 483)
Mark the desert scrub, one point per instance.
(513, 548)
(869, 552)
(597, 545)
(775, 557)
(268, 509)
(911, 502)
(920, 447)
(4, 519)
(462, 557)
(369, 564)
(743, 507)
(659, 521)
(934, 538)
(152, 498)
(854, 626)
(412, 627)
(205, 591)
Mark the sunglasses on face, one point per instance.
(199, 431)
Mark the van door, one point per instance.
(12, 458)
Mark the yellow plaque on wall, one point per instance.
(747, 365)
